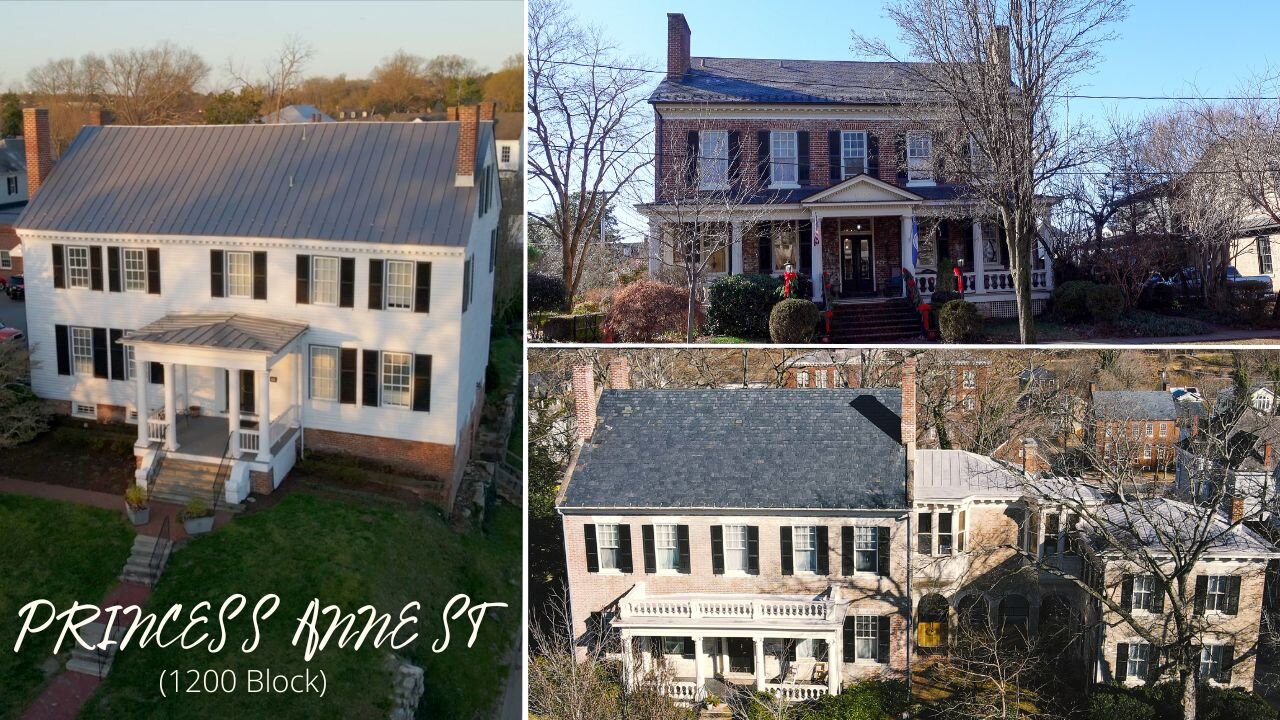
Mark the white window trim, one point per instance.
(88, 268)
(875, 635)
(925, 178)
(124, 269)
(6, 260)
(337, 280)
(600, 549)
(382, 380)
(337, 372)
(875, 549)
(76, 410)
(744, 552)
(226, 274)
(75, 369)
(659, 551)
(386, 285)
(795, 549)
(844, 175)
(775, 164)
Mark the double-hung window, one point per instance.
(944, 534)
(130, 364)
(853, 154)
(324, 280)
(1216, 591)
(239, 274)
(713, 160)
(1139, 660)
(784, 161)
(82, 350)
(506, 154)
(324, 372)
(1264, 254)
(1151, 430)
(735, 549)
(786, 246)
(924, 532)
(134, 261)
(12, 185)
(77, 267)
(607, 546)
(6, 260)
(666, 543)
(1211, 662)
(866, 637)
(397, 378)
(805, 548)
(970, 379)
(919, 157)
(1144, 589)
(399, 285)
(865, 549)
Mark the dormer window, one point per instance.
(784, 161)
(713, 160)
(853, 154)
(919, 158)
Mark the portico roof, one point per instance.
(223, 331)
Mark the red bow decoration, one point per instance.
(787, 277)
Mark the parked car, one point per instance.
(10, 333)
(16, 289)
(1190, 276)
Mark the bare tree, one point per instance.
(993, 80)
(399, 83)
(589, 134)
(22, 415)
(148, 86)
(997, 671)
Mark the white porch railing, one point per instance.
(796, 692)
(282, 424)
(684, 690)
(743, 609)
(993, 283)
(250, 440)
(157, 427)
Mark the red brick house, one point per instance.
(13, 197)
(842, 182)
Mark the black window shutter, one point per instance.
(883, 551)
(717, 549)
(850, 646)
(59, 267)
(113, 269)
(753, 550)
(764, 238)
(624, 549)
(882, 636)
(1228, 659)
(217, 288)
(802, 157)
(762, 156)
(1157, 597)
(735, 162)
(682, 547)
(1122, 661)
(1233, 595)
(117, 353)
(1126, 592)
(873, 156)
(303, 296)
(846, 550)
(422, 383)
(824, 552)
(692, 160)
(371, 378)
(900, 152)
(784, 542)
(347, 283)
(804, 246)
(95, 267)
(466, 284)
(375, 284)
(834, 156)
(153, 271)
(100, 369)
(1153, 663)
(1202, 589)
(593, 554)
(157, 373)
(62, 339)
(259, 275)
(347, 376)
(650, 557)
(688, 647)
(422, 288)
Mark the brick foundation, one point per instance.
(409, 455)
(260, 482)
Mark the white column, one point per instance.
(628, 659)
(170, 409)
(906, 249)
(758, 643)
(264, 415)
(979, 261)
(699, 673)
(735, 251)
(655, 248)
(816, 249)
(233, 410)
(140, 379)
(835, 661)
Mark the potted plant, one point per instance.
(196, 518)
(135, 505)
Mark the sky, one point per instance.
(347, 37)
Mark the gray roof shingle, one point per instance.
(357, 182)
(225, 331)
(743, 449)
(751, 80)
(1134, 405)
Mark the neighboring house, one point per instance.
(1241, 455)
(239, 291)
(510, 134)
(1262, 398)
(1138, 427)
(851, 188)
(13, 196)
(296, 114)
(358, 114)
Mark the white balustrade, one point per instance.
(750, 609)
(684, 690)
(250, 441)
(796, 693)
(157, 429)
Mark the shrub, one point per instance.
(801, 287)
(1105, 303)
(644, 310)
(946, 277)
(959, 321)
(866, 700)
(135, 496)
(1070, 301)
(793, 321)
(1249, 299)
(586, 307)
(546, 292)
(1159, 298)
(942, 297)
(1109, 702)
(1233, 704)
(739, 305)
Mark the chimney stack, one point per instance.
(468, 131)
(488, 111)
(909, 408)
(678, 34)
(100, 117)
(584, 400)
(998, 50)
(39, 145)
(1237, 509)
(1266, 456)
(1030, 456)
(619, 372)
(451, 113)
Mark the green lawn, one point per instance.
(59, 552)
(349, 554)
(1134, 324)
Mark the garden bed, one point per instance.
(98, 457)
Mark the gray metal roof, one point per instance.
(743, 448)
(362, 182)
(296, 114)
(1159, 523)
(958, 474)
(224, 331)
(751, 80)
(1134, 405)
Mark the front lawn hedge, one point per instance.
(739, 305)
(959, 321)
(793, 321)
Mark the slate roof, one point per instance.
(743, 449)
(1134, 405)
(13, 156)
(751, 80)
(225, 331)
(357, 182)
(958, 474)
(1136, 523)
(296, 114)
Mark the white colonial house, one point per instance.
(244, 292)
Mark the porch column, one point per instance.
(233, 410)
(140, 379)
(815, 248)
(735, 250)
(655, 248)
(699, 673)
(835, 661)
(170, 409)
(628, 658)
(979, 261)
(264, 415)
(907, 222)
(758, 643)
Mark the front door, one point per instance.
(742, 655)
(856, 264)
(247, 394)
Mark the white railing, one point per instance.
(157, 427)
(796, 692)
(684, 690)
(250, 441)
(993, 282)
(747, 609)
(282, 424)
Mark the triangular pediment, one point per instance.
(862, 189)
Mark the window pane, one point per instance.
(924, 530)
(853, 153)
(82, 350)
(919, 157)
(944, 533)
(713, 159)
(865, 541)
(399, 285)
(135, 269)
(324, 373)
(735, 548)
(396, 372)
(607, 543)
(782, 161)
(667, 546)
(239, 274)
(324, 280)
(78, 267)
(866, 629)
(805, 541)
(785, 246)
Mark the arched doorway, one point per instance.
(931, 623)
(1014, 612)
(973, 610)
(1057, 618)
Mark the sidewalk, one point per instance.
(107, 501)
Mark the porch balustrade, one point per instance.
(796, 693)
(157, 427)
(684, 690)
(250, 440)
(994, 282)
(744, 609)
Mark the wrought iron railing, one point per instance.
(161, 548)
(224, 469)
(152, 471)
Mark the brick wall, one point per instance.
(410, 455)
(1128, 441)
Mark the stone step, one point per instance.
(89, 667)
(94, 662)
(179, 496)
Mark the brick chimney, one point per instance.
(677, 46)
(909, 408)
(1031, 462)
(619, 372)
(451, 113)
(998, 49)
(1237, 508)
(584, 400)
(1266, 456)
(468, 131)
(39, 145)
(488, 111)
(100, 117)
